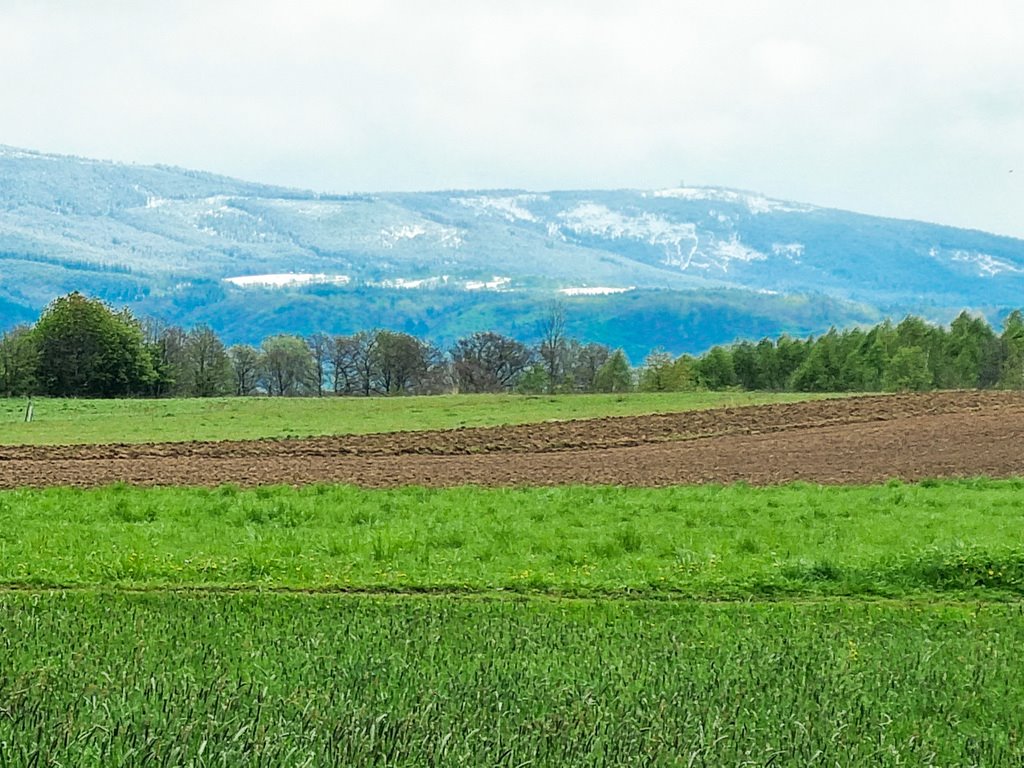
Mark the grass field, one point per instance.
(101, 679)
(730, 542)
(786, 626)
(136, 421)
(576, 626)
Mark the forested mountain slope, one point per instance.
(681, 268)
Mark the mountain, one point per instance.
(680, 268)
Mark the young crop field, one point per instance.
(541, 593)
(248, 418)
(100, 679)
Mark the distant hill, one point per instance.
(680, 268)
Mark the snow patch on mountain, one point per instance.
(728, 251)
(755, 203)
(217, 217)
(313, 209)
(679, 238)
(286, 279)
(681, 241)
(555, 232)
(987, 265)
(593, 290)
(411, 284)
(448, 237)
(496, 283)
(391, 235)
(510, 208)
(792, 251)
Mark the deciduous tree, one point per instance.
(584, 362)
(88, 350)
(402, 361)
(489, 362)
(287, 366)
(552, 345)
(715, 369)
(320, 347)
(246, 366)
(908, 371)
(615, 375)
(18, 362)
(208, 370)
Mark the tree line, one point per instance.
(912, 355)
(80, 347)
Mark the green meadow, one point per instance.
(721, 542)
(64, 421)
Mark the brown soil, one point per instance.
(853, 440)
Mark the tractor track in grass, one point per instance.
(923, 598)
(841, 441)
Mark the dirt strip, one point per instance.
(854, 440)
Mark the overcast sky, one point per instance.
(906, 108)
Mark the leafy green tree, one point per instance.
(18, 362)
(1011, 374)
(821, 370)
(287, 365)
(746, 362)
(915, 332)
(769, 373)
(790, 354)
(856, 373)
(813, 374)
(534, 380)
(208, 370)
(971, 354)
(88, 350)
(872, 357)
(715, 369)
(908, 371)
(615, 375)
(662, 373)
(166, 347)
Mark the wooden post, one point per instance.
(28, 411)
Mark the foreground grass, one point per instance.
(494, 672)
(94, 679)
(136, 421)
(735, 541)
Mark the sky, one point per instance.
(902, 108)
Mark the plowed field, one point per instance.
(853, 440)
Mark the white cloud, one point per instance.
(906, 109)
